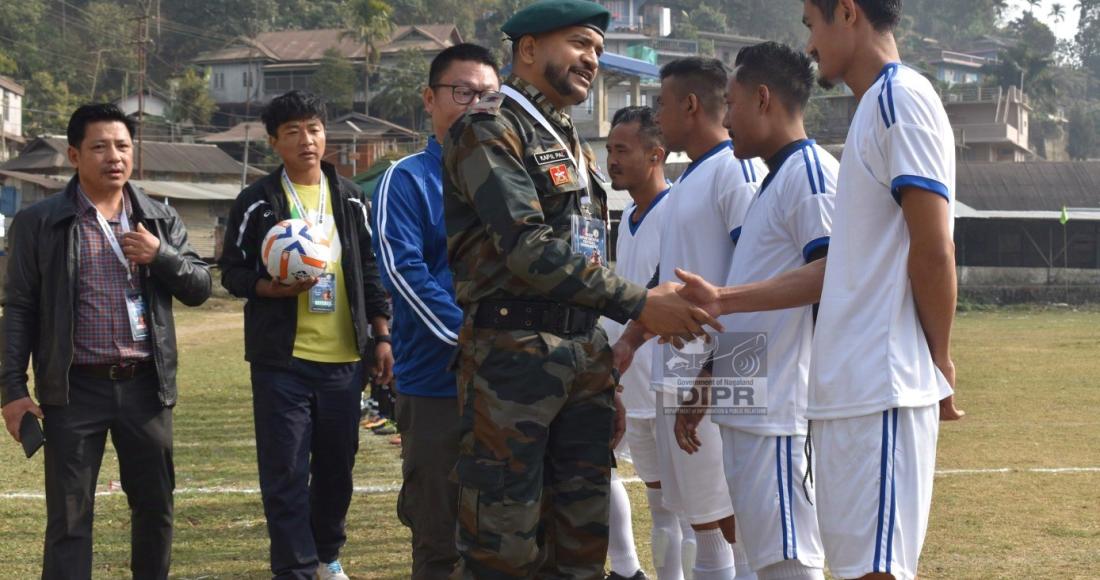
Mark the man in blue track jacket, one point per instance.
(411, 244)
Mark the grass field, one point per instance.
(1030, 380)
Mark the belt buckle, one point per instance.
(115, 372)
(567, 320)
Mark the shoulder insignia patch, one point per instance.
(489, 104)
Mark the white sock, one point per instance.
(688, 549)
(665, 537)
(790, 570)
(715, 558)
(620, 545)
(741, 560)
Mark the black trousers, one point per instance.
(428, 503)
(307, 434)
(76, 434)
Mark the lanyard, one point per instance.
(528, 106)
(321, 202)
(110, 234)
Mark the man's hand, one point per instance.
(948, 410)
(699, 292)
(668, 314)
(382, 369)
(140, 246)
(13, 414)
(270, 288)
(686, 430)
(619, 427)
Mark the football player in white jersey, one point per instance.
(787, 226)
(706, 209)
(635, 163)
(881, 375)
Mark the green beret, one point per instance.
(547, 15)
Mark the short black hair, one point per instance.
(460, 52)
(706, 78)
(292, 106)
(646, 119)
(788, 73)
(884, 15)
(95, 113)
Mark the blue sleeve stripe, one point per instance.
(389, 264)
(735, 235)
(890, 94)
(886, 95)
(820, 172)
(920, 182)
(809, 171)
(814, 246)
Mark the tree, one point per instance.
(335, 81)
(370, 22)
(487, 27)
(708, 19)
(49, 105)
(1088, 39)
(1082, 133)
(400, 96)
(191, 100)
(1058, 12)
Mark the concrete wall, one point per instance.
(1028, 285)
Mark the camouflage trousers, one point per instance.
(534, 459)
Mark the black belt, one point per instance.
(549, 317)
(120, 372)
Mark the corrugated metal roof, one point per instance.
(1029, 186)
(310, 45)
(49, 183)
(48, 153)
(188, 190)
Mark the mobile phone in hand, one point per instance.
(30, 434)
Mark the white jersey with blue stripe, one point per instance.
(706, 209)
(637, 251)
(788, 220)
(869, 350)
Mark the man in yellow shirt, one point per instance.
(310, 343)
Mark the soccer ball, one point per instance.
(292, 250)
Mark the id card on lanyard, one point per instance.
(322, 296)
(134, 299)
(588, 233)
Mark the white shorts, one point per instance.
(641, 438)
(691, 485)
(765, 476)
(874, 489)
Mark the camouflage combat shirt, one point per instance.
(509, 194)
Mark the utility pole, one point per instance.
(142, 40)
(244, 167)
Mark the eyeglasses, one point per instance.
(462, 95)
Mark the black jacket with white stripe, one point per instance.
(270, 324)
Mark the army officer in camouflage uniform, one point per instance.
(526, 227)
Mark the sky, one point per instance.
(1064, 30)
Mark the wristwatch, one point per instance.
(383, 338)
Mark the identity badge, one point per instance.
(322, 296)
(137, 313)
(590, 239)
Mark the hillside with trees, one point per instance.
(69, 51)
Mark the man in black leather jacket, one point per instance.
(91, 276)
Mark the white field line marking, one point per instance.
(396, 487)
